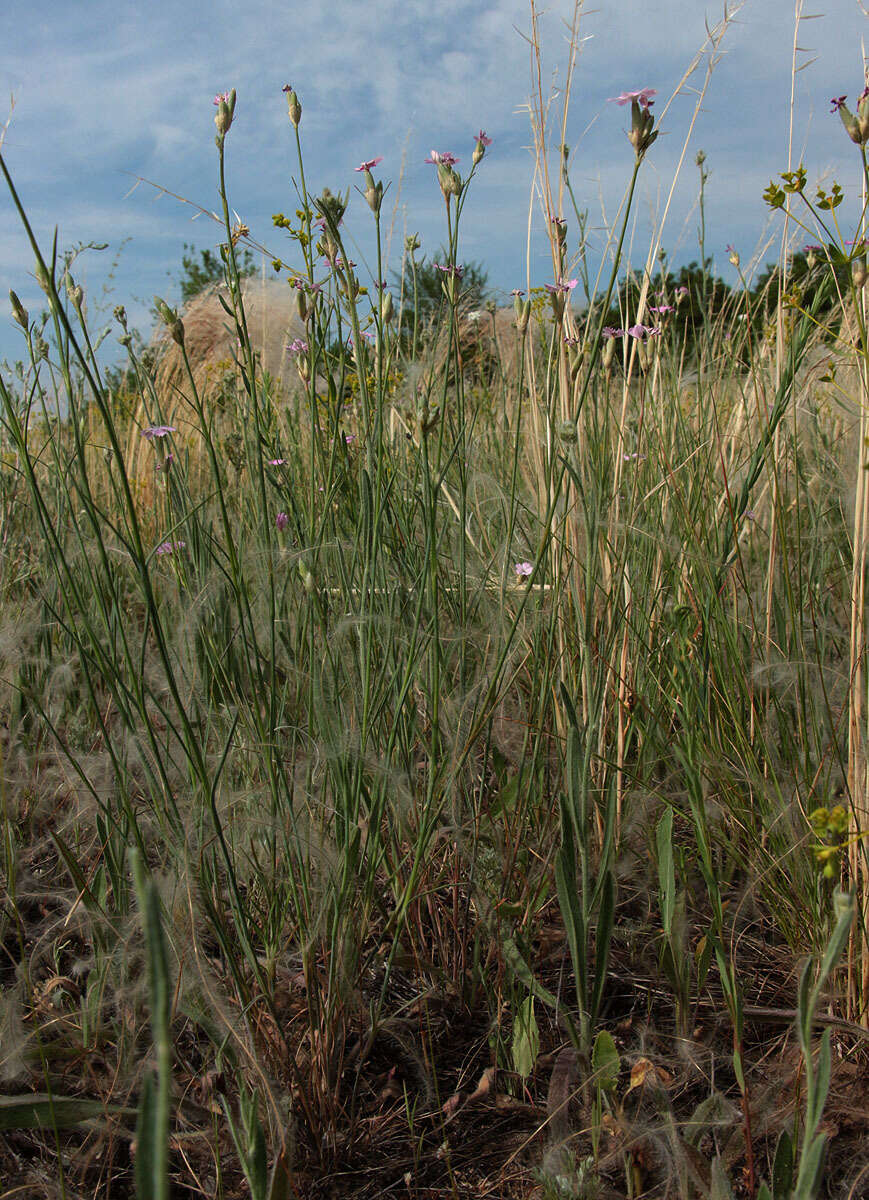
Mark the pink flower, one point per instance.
(157, 431)
(281, 522)
(297, 347)
(481, 139)
(524, 569)
(661, 308)
(610, 331)
(372, 162)
(643, 331)
(837, 102)
(446, 159)
(168, 547)
(221, 98)
(457, 271)
(561, 285)
(643, 97)
(277, 462)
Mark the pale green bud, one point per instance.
(294, 108)
(19, 312)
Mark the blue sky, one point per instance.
(108, 91)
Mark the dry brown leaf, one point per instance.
(644, 1069)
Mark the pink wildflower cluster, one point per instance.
(169, 547)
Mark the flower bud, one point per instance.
(450, 180)
(171, 320)
(574, 360)
(19, 312)
(225, 111)
(482, 141)
(863, 116)
(412, 243)
(373, 193)
(858, 271)
(302, 303)
(733, 255)
(294, 108)
(307, 579)
(642, 123)
(852, 125)
(120, 315)
(523, 318)
(40, 348)
(167, 316)
(42, 279)
(387, 308)
(74, 292)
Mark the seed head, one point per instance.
(294, 108)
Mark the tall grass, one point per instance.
(373, 685)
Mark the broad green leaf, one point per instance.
(605, 1061)
(783, 1167)
(40, 1111)
(526, 1039)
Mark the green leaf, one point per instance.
(605, 1061)
(719, 1184)
(666, 870)
(811, 1168)
(37, 1110)
(279, 1189)
(782, 1167)
(715, 1112)
(149, 1170)
(603, 941)
(526, 1039)
(843, 903)
(822, 1085)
